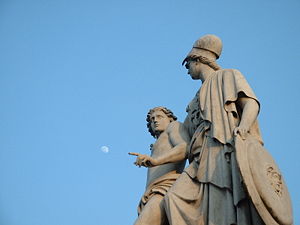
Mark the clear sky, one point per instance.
(79, 75)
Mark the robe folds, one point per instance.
(218, 96)
(210, 191)
(158, 187)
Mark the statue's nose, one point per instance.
(187, 65)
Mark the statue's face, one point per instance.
(159, 121)
(194, 68)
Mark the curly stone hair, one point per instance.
(165, 110)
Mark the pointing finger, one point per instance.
(133, 153)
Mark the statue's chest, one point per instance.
(194, 113)
(161, 145)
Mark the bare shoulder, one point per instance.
(176, 128)
(177, 133)
(173, 126)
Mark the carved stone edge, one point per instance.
(242, 160)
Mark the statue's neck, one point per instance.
(205, 76)
(206, 72)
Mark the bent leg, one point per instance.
(153, 212)
(191, 202)
(183, 200)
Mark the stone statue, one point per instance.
(231, 178)
(165, 164)
(222, 122)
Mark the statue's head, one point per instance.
(207, 50)
(158, 120)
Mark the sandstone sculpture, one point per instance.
(231, 178)
(169, 149)
(222, 124)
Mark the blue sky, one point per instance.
(79, 75)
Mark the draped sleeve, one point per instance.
(218, 96)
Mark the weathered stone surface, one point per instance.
(264, 182)
(231, 178)
(165, 164)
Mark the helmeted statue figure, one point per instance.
(222, 123)
(231, 178)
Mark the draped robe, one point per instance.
(210, 191)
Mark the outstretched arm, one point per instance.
(144, 160)
(179, 139)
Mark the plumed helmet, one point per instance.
(208, 42)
